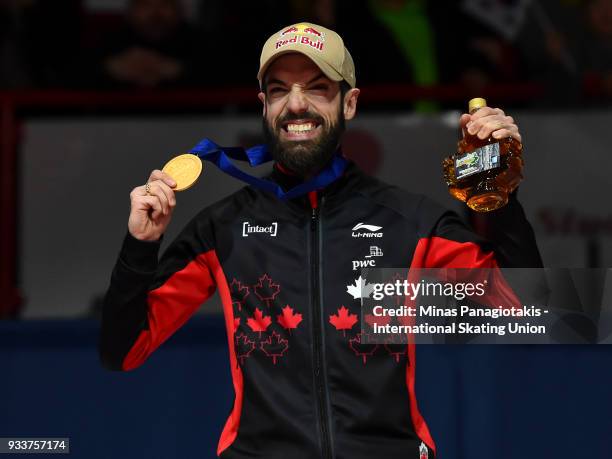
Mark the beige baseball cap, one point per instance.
(323, 46)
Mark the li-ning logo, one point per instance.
(423, 451)
(249, 229)
(371, 230)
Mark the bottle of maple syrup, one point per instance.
(483, 172)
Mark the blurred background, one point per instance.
(94, 94)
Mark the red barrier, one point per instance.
(9, 297)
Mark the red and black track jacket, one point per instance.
(305, 386)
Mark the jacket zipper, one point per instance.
(319, 365)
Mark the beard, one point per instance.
(305, 157)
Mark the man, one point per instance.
(305, 385)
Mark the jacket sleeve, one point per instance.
(148, 300)
(503, 238)
(510, 235)
(506, 240)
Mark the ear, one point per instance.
(262, 96)
(350, 103)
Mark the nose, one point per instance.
(297, 102)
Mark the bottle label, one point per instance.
(480, 160)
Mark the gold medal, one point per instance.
(184, 170)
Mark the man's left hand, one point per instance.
(489, 122)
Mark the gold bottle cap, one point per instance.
(476, 103)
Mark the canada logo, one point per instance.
(423, 451)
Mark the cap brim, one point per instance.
(327, 69)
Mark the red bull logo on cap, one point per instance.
(291, 29)
(303, 29)
(313, 31)
(305, 41)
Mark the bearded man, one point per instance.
(305, 384)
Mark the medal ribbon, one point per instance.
(257, 155)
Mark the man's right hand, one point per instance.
(151, 212)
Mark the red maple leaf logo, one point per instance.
(344, 320)
(288, 319)
(406, 320)
(236, 324)
(396, 350)
(239, 293)
(378, 320)
(362, 350)
(259, 322)
(244, 347)
(397, 277)
(267, 292)
(274, 346)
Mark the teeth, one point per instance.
(300, 127)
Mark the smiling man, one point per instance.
(305, 384)
(304, 112)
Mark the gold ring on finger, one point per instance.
(148, 188)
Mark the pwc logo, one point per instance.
(369, 261)
(370, 230)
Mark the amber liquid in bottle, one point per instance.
(483, 172)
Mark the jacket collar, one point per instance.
(342, 184)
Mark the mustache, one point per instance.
(294, 117)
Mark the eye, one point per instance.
(276, 90)
(319, 87)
